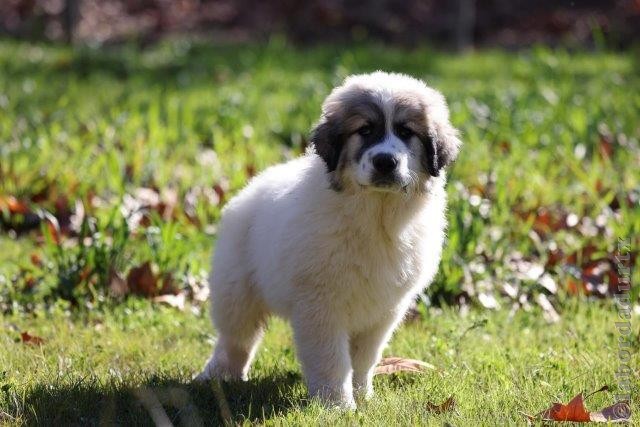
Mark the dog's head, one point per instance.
(386, 132)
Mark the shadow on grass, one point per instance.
(160, 401)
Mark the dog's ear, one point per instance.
(327, 141)
(441, 142)
(442, 145)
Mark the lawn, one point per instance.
(94, 369)
(111, 158)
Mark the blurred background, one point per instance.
(191, 98)
(459, 23)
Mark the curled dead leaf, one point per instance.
(575, 411)
(168, 284)
(142, 281)
(31, 339)
(36, 260)
(391, 365)
(446, 406)
(14, 206)
(220, 191)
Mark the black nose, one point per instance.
(384, 162)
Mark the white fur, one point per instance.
(342, 266)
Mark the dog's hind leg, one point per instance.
(239, 320)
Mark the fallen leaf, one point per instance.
(575, 411)
(146, 197)
(177, 301)
(391, 365)
(31, 339)
(14, 206)
(168, 285)
(117, 284)
(505, 146)
(168, 203)
(446, 406)
(220, 191)
(142, 281)
(605, 147)
(548, 311)
(487, 300)
(29, 282)
(36, 260)
(574, 287)
(54, 230)
(547, 282)
(546, 220)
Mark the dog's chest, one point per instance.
(368, 275)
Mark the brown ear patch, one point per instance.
(440, 149)
(327, 142)
(447, 145)
(430, 159)
(439, 138)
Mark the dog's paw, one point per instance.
(347, 405)
(334, 398)
(217, 371)
(202, 377)
(336, 404)
(363, 394)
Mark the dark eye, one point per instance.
(364, 130)
(404, 132)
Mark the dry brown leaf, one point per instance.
(220, 191)
(117, 284)
(31, 339)
(168, 285)
(446, 406)
(36, 260)
(142, 281)
(13, 205)
(391, 365)
(605, 147)
(575, 411)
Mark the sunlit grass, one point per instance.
(92, 368)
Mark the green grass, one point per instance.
(93, 369)
(92, 126)
(78, 123)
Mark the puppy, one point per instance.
(339, 241)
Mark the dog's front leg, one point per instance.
(323, 350)
(366, 350)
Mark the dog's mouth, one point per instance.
(389, 183)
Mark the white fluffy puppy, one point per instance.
(340, 240)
